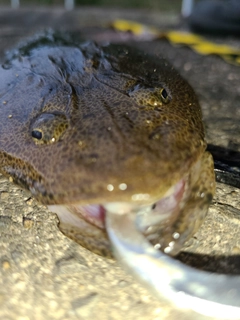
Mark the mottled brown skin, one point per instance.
(78, 118)
(108, 116)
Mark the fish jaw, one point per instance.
(167, 223)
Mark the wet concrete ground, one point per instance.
(43, 274)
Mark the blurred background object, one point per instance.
(220, 17)
(202, 16)
(174, 5)
(187, 7)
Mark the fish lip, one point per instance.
(95, 214)
(187, 205)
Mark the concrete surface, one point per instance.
(43, 274)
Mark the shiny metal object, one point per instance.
(213, 295)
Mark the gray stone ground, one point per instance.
(43, 274)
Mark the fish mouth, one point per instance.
(167, 223)
(95, 214)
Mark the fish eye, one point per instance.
(37, 134)
(48, 128)
(152, 97)
(164, 95)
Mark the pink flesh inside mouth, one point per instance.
(154, 213)
(92, 213)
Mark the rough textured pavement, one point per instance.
(43, 274)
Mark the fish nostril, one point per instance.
(37, 134)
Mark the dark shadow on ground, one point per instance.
(217, 264)
(227, 165)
